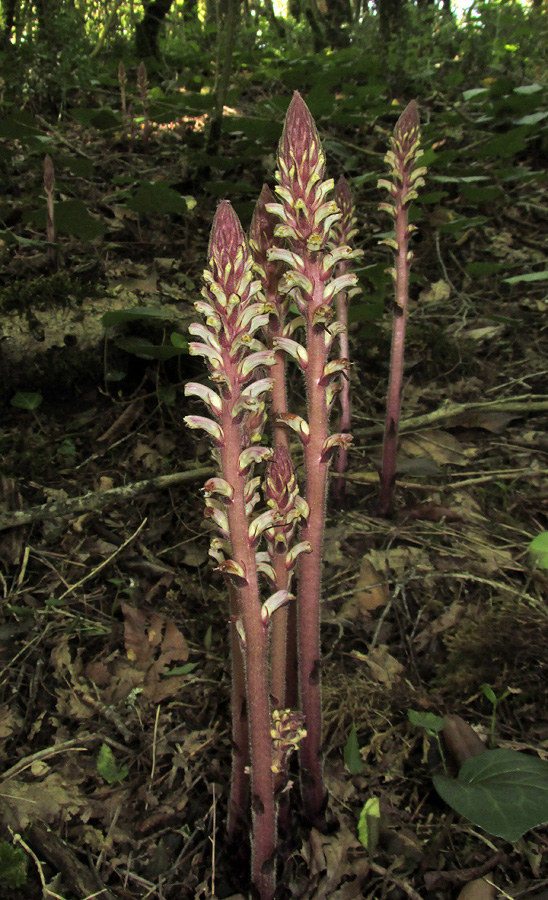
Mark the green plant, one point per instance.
(13, 866)
(107, 768)
(538, 550)
(432, 724)
(369, 824)
(505, 792)
(489, 693)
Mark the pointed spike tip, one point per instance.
(226, 231)
(261, 230)
(299, 128)
(343, 195)
(408, 123)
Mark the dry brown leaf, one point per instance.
(447, 620)
(479, 889)
(24, 802)
(9, 722)
(496, 422)
(400, 560)
(435, 293)
(436, 444)
(485, 333)
(332, 858)
(371, 591)
(384, 667)
(461, 740)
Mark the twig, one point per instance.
(105, 562)
(17, 839)
(509, 475)
(397, 882)
(98, 499)
(47, 753)
(534, 403)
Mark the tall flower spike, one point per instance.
(343, 232)
(236, 361)
(282, 495)
(306, 217)
(406, 178)
(262, 240)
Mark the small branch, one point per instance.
(536, 403)
(397, 882)
(98, 500)
(76, 744)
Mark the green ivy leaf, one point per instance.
(503, 791)
(179, 341)
(352, 758)
(538, 550)
(120, 316)
(429, 721)
(369, 825)
(157, 198)
(145, 349)
(26, 400)
(107, 768)
(73, 218)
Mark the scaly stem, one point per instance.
(406, 178)
(255, 651)
(261, 239)
(393, 403)
(306, 220)
(233, 311)
(343, 232)
(310, 567)
(238, 799)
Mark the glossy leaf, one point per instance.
(502, 791)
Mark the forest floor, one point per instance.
(114, 670)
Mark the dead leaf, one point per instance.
(24, 802)
(436, 444)
(479, 889)
(9, 722)
(371, 591)
(332, 858)
(487, 332)
(461, 740)
(148, 457)
(384, 667)
(400, 560)
(447, 620)
(435, 293)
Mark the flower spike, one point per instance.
(406, 178)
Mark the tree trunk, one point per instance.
(147, 30)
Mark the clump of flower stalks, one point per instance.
(297, 257)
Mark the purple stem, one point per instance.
(310, 567)
(406, 178)
(393, 403)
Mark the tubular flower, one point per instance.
(406, 178)
(232, 311)
(282, 495)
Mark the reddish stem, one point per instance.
(255, 651)
(310, 566)
(341, 462)
(239, 786)
(393, 404)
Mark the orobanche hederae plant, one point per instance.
(281, 293)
